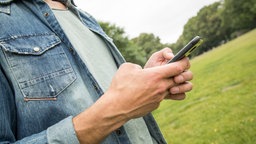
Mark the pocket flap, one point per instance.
(30, 44)
(39, 64)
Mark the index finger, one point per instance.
(172, 69)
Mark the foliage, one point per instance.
(221, 107)
(238, 16)
(220, 22)
(216, 23)
(149, 43)
(130, 51)
(136, 50)
(206, 24)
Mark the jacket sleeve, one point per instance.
(7, 110)
(62, 132)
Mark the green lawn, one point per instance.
(221, 109)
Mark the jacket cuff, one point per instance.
(63, 132)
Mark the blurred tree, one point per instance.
(130, 51)
(117, 34)
(149, 43)
(238, 16)
(215, 23)
(206, 24)
(209, 27)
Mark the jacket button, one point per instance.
(46, 14)
(95, 87)
(36, 49)
(72, 51)
(118, 132)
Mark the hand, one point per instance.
(159, 58)
(139, 91)
(182, 81)
(134, 92)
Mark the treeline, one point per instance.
(216, 24)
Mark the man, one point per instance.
(64, 81)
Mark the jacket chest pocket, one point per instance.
(39, 64)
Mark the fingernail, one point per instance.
(175, 90)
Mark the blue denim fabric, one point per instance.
(41, 77)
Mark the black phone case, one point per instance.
(186, 50)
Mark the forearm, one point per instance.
(98, 121)
(62, 132)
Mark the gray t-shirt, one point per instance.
(97, 57)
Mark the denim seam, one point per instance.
(25, 36)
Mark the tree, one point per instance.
(117, 34)
(207, 24)
(130, 51)
(148, 43)
(238, 16)
(215, 23)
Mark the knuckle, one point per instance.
(155, 76)
(179, 68)
(127, 64)
(159, 98)
(187, 75)
(188, 65)
(189, 86)
(131, 65)
(167, 49)
(162, 88)
(155, 54)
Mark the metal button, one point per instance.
(36, 49)
(118, 132)
(46, 14)
(71, 50)
(95, 87)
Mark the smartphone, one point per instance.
(187, 50)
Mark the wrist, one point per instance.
(98, 121)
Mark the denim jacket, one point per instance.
(39, 76)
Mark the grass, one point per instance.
(221, 108)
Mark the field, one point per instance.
(221, 109)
